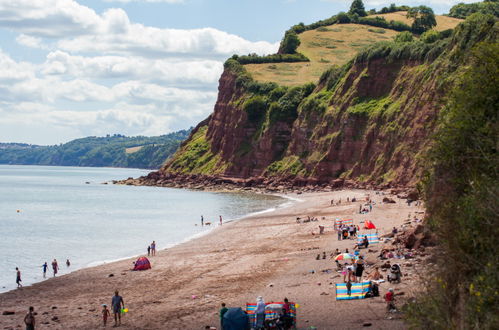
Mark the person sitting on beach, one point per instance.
(365, 242)
(375, 276)
(117, 304)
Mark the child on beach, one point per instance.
(105, 314)
(45, 266)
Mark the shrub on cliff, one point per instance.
(461, 191)
(463, 10)
(405, 36)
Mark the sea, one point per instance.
(52, 212)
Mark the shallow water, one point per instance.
(62, 216)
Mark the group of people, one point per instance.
(347, 231)
(55, 269)
(151, 249)
(209, 223)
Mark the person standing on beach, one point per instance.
(223, 310)
(148, 250)
(260, 313)
(29, 319)
(105, 314)
(44, 267)
(153, 248)
(55, 267)
(117, 304)
(202, 221)
(220, 220)
(18, 278)
(68, 263)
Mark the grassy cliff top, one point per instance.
(443, 22)
(332, 45)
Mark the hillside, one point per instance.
(115, 151)
(334, 44)
(443, 22)
(365, 123)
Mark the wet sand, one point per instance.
(268, 254)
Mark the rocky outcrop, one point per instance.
(363, 125)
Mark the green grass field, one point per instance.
(327, 46)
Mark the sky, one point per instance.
(77, 68)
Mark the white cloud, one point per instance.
(105, 74)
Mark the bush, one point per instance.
(274, 58)
(430, 36)
(256, 108)
(461, 191)
(405, 36)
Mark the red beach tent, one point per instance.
(142, 264)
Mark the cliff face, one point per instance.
(366, 122)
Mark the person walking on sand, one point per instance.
(18, 278)
(44, 268)
(29, 319)
(390, 300)
(117, 304)
(55, 267)
(105, 314)
(223, 310)
(153, 248)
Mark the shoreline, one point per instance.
(232, 264)
(287, 202)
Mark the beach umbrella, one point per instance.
(344, 256)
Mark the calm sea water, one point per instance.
(61, 216)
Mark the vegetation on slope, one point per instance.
(112, 150)
(462, 190)
(306, 51)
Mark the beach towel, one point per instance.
(358, 291)
(371, 237)
(347, 222)
(270, 313)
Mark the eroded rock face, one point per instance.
(367, 150)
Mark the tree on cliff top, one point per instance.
(424, 18)
(357, 7)
(290, 43)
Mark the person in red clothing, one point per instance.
(286, 305)
(390, 300)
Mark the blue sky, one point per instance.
(75, 68)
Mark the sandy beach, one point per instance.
(269, 255)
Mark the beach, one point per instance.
(268, 255)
